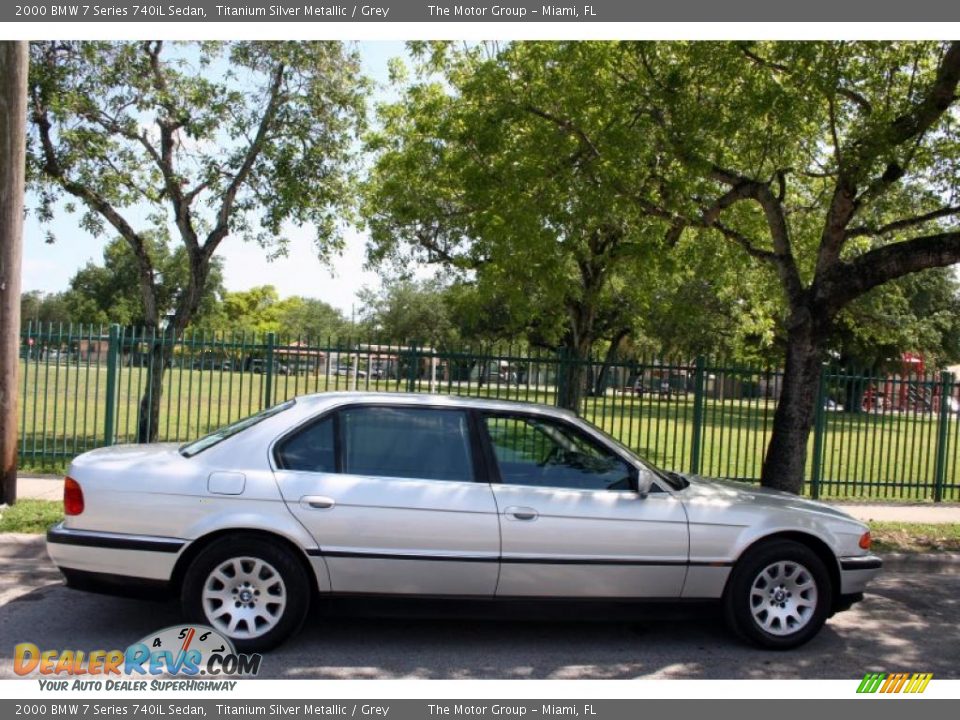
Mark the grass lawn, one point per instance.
(35, 516)
(30, 516)
(866, 455)
(915, 537)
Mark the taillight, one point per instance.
(72, 497)
(865, 540)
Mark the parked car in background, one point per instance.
(347, 371)
(339, 495)
(258, 366)
(212, 363)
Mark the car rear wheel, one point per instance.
(778, 595)
(251, 590)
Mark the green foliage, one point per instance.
(265, 126)
(507, 165)
(112, 292)
(408, 311)
(260, 310)
(917, 313)
(38, 307)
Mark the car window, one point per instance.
(538, 452)
(198, 446)
(312, 449)
(424, 443)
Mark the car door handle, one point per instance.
(522, 513)
(317, 502)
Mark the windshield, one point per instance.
(198, 446)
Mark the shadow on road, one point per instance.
(908, 623)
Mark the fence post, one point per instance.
(268, 371)
(561, 380)
(113, 360)
(819, 431)
(698, 398)
(414, 368)
(943, 424)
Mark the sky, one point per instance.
(48, 268)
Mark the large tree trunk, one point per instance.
(783, 468)
(148, 418)
(161, 346)
(572, 376)
(603, 377)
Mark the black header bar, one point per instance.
(524, 11)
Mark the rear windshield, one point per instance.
(198, 446)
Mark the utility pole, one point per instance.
(13, 136)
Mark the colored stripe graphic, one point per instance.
(870, 682)
(895, 683)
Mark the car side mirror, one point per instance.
(643, 481)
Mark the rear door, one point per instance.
(391, 497)
(572, 523)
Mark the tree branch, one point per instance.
(867, 231)
(851, 279)
(565, 124)
(863, 153)
(747, 244)
(253, 151)
(53, 168)
(857, 98)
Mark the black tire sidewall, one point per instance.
(294, 577)
(737, 603)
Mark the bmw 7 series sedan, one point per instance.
(341, 495)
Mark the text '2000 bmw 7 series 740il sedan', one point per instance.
(341, 495)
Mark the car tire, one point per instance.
(250, 589)
(779, 595)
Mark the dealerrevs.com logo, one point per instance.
(201, 656)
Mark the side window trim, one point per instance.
(337, 441)
(490, 453)
(483, 436)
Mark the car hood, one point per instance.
(714, 490)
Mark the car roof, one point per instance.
(317, 400)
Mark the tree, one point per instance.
(409, 311)
(250, 310)
(835, 164)
(42, 308)
(917, 313)
(261, 310)
(205, 140)
(311, 319)
(111, 293)
(494, 165)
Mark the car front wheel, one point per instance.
(251, 590)
(779, 595)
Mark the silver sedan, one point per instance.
(339, 495)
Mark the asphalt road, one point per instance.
(909, 622)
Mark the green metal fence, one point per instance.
(874, 436)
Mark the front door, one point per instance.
(390, 496)
(571, 522)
